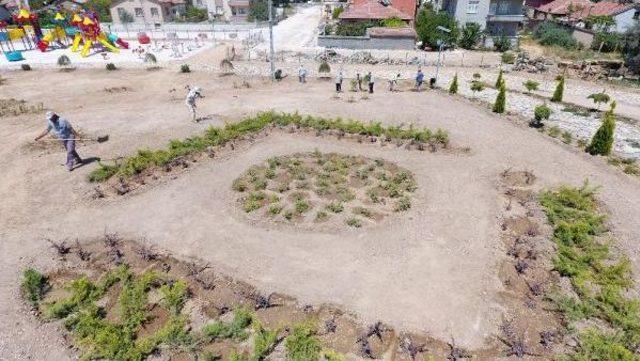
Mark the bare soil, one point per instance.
(437, 269)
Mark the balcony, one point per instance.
(506, 18)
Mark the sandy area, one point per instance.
(433, 269)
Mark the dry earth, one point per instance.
(434, 269)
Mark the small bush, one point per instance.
(274, 209)
(175, 295)
(508, 57)
(324, 67)
(335, 207)
(531, 85)
(599, 98)
(453, 88)
(33, 286)
(559, 92)
(567, 137)
(236, 330)
(549, 33)
(336, 12)
(502, 43)
(25, 67)
(302, 345)
(501, 99)
(184, 68)
(554, 131)
(540, 113)
(403, 204)
(477, 86)
(470, 36)
(301, 206)
(110, 66)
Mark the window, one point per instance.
(503, 8)
(472, 6)
(139, 12)
(121, 12)
(154, 12)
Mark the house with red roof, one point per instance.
(376, 10)
(576, 12)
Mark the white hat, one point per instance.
(49, 115)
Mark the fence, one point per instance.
(220, 31)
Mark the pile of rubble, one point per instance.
(361, 57)
(536, 65)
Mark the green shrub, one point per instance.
(607, 42)
(335, 207)
(500, 104)
(470, 36)
(354, 28)
(599, 98)
(274, 209)
(254, 201)
(554, 131)
(184, 68)
(336, 12)
(301, 206)
(302, 345)
(559, 92)
(403, 204)
(353, 222)
(324, 67)
(33, 286)
(236, 330)
(263, 342)
(393, 22)
(540, 113)
(110, 66)
(567, 137)
(477, 86)
(453, 88)
(508, 57)
(548, 33)
(531, 85)
(602, 141)
(175, 295)
(427, 23)
(502, 43)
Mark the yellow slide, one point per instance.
(106, 44)
(86, 48)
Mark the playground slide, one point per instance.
(76, 42)
(86, 48)
(103, 40)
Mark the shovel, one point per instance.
(100, 139)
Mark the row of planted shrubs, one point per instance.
(608, 315)
(215, 136)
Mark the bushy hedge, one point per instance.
(549, 33)
(354, 29)
(427, 24)
(215, 136)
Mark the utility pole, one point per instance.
(271, 56)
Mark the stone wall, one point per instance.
(365, 42)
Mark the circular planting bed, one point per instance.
(324, 188)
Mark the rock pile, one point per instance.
(532, 65)
(595, 69)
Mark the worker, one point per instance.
(339, 79)
(193, 94)
(302, 74)
(393, 82)
(419, 79)
(67, 136)
(371, 81)
(359, 81)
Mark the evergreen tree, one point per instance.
(500, 80)
(501, 100)
(453, 89)
(559, 92)
(602, 141)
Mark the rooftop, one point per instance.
(376, 10)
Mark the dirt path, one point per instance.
(432, 269)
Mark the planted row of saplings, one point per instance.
(600, 299)
(218, 136)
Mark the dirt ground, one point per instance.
(433, 269)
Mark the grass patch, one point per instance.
(216, 136)
(353, 222)
(34, 285)
(599, 278)
(302, 345)
(236, 330)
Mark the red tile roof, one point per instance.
(583, 8)
(375, 10)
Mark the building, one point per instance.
(576, 13)
(496, 17)
(146, 11)
(363, 10)
(239, 10)
(216, 9)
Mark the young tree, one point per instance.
(500, 105)
(599, 98)
(427, 24)
(531, 85)
(453, 89)
(602, 141)
(559, 92)
(500, 79)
